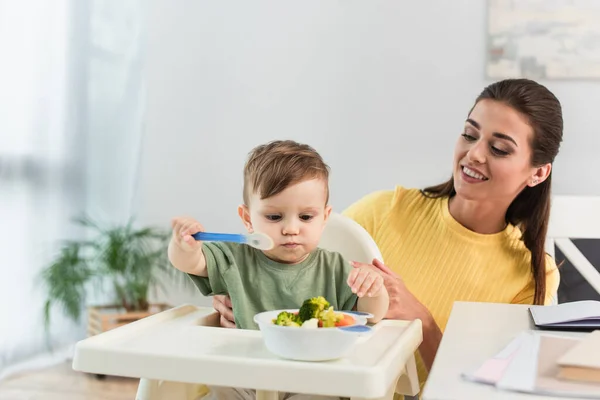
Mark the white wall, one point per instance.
(378, 87)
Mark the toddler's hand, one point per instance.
(365, 281)
(183, 229)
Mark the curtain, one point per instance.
(71, 115)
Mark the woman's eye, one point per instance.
(468, 138)
(499, 152)
(306, 217)
(273, 217)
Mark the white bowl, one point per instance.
(309, 344)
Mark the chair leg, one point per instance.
(388, 396)
(408, 383)
(266, 395)
(150, 389)
(147, 390)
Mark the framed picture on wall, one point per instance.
(543, 39)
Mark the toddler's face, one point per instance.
(294, 219)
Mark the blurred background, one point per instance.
(144, 110)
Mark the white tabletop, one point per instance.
(172, 346)
(476, 332)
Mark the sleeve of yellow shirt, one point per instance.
(552, 281)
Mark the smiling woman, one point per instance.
(503, 166)
(480, 236)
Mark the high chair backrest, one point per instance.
(351, 240)
(575, 217)
(347, 237)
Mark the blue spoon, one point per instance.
(257, 240)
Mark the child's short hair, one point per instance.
(274, 166)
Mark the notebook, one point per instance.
(582, 362)
(575, 315)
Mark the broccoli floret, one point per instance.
(287, 319)
(308, 311)
(312, 307)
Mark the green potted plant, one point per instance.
(130, 260)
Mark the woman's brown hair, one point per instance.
(530, 210)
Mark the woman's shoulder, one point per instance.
(376, 207)
(516, 246)
(526, 295)
(386, 199)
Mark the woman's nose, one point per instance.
(476, 153)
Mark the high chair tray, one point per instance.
(176, 345)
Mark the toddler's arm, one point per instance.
(373, 297)
(185, 252)
(377, 305)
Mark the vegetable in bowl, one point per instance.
(315, 312)
(313, 333)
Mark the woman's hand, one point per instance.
(405, 306)
(222, 303)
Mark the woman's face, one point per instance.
(492, 159)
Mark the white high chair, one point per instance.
(574, 217)
(347, 237)
(342, 235)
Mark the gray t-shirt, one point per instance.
(256, 283)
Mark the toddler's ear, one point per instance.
(244, 213)
(327, 212)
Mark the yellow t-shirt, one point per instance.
(441, 261)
